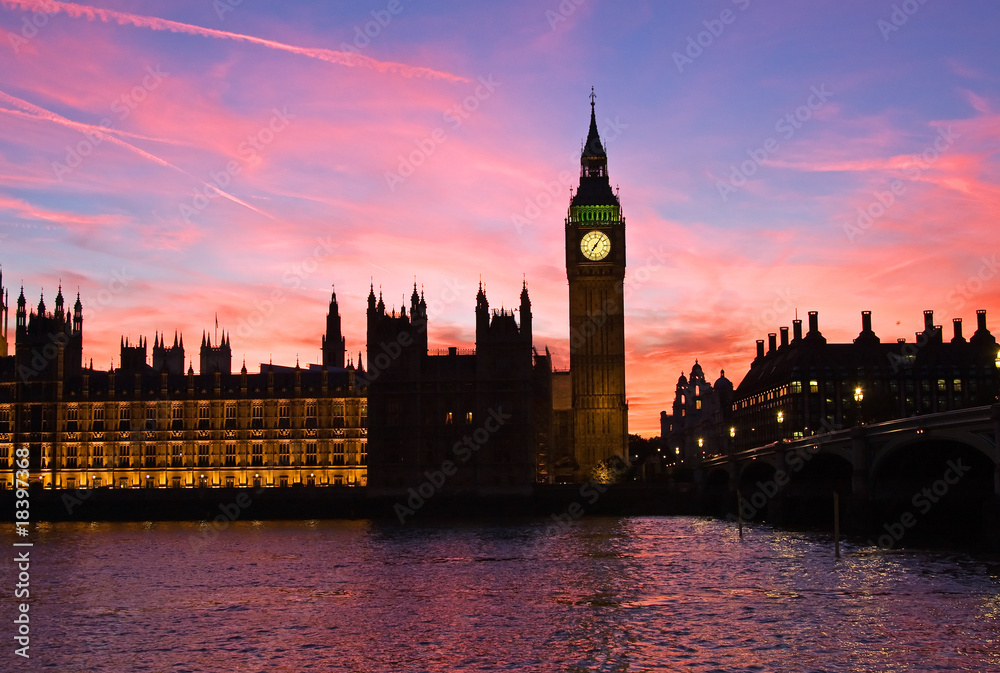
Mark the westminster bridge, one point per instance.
(945, 465)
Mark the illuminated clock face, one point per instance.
(595, 245)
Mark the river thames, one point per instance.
(601, 594)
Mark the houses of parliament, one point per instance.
(499, 413)
(155, 425)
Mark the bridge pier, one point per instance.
(776, 504)
(995, 417)
(860, 477)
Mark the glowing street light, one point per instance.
(859, 394)
(732, 432)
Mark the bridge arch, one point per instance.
(718, 478)
(911, 465)
(821, 475)
(931, 488)
(760, 470)
(841, 450)
(970, 439)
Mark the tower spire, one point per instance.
(593, 148)
(595, 186)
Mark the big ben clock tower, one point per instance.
(595, 268)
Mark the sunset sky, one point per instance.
(341, 143)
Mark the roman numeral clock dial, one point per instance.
(595, 245)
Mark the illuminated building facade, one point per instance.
(595, 270)
(142, 426)
(803, 385)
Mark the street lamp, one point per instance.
(781, 419)
(859, 396)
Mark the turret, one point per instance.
(4, 316)
(414, 302)
(21, 318)
(525, 312)
(216, 358)
(482, 314)
(133, 358)
(333, 344)
(60, 307)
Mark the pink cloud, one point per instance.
(122, 18)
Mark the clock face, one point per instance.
(595, 245)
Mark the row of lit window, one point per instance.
(205, 481)
(120, 455)
(123, 412)
(796, 388)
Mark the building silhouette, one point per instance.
(800, 385)
(333, 344)
(156, 426)
(169, 359)
(700, 417)
(469, 415)
(217, 358)
(817, 386)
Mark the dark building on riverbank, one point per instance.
(801, 385)
(475, 417)
(700, 420)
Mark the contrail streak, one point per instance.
(103, 129)
(154, 23)
(100, 131)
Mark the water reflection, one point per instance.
(610, 594)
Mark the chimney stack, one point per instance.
(760, 348)
(797, 330)
(928, 321)
(772, 342)
(784, 337)
(957, 322)
(813, 321)
(981, 317)
(866, 321)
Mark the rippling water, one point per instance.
(628, 594)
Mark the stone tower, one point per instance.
(595, 268)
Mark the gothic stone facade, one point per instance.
(142, 426)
